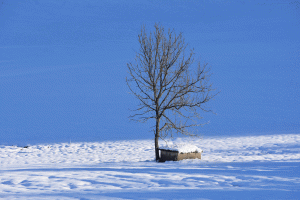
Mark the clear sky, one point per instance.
(63, 66)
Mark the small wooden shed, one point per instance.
(171, 155)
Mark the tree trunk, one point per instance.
(156, 141)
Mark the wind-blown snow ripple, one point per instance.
(266, 165)
(229, 149)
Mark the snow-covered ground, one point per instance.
(248, 167)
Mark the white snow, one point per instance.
(182, 148)
(234, 166)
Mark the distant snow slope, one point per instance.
(260, 166)
(224, 149)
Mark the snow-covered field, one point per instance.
(247, 167)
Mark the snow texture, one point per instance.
(182, 148)
(249, 167)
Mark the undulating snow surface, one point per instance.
(249, 167)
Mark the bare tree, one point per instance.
(170, 89)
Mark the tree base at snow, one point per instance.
(171, 155)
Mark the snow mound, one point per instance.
(182, 148)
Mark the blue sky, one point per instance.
(63, 66)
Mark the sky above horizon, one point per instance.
(63, 66)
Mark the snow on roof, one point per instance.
(182, 148)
